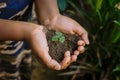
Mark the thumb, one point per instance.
(49, 62)
(84, 37)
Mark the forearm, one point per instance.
(14, 30)
(46, 10)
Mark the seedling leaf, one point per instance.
(58, 34)
(55, 38)
(62, 39)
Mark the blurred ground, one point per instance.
(40, 72)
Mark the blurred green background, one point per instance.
(101, 18)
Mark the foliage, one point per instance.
(58, 37)
(101, 18)
(62, 4)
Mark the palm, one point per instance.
(67, 25)
(39, 44)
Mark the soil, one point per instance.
(56, 50)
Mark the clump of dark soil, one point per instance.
(57, 49)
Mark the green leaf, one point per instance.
(117, 78)
(91, 3)
(116, 69)
(58, 34)
(55, 38)
(62, 39)
(100, 16)
(98, 4)
(106, 16)
(75, 7)
(117, 22)
(111, 2)
(62, 4)
(116, 36)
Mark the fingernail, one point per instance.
(57, 68)
(76, 52)
(88, 42)
(74, 58)
(67, 53)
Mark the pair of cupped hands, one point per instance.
(63, 24)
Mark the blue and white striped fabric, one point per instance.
(9, 8)
(14, 59)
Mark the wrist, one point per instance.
(50, 22)
(29, 30)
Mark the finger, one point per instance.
(49, 62)
(71, 32)
(81, 43)
(81, 49)
(76, 52)
(83, 34)
(54, 65)
(67, 54)
(66, 61)
(84, 37)
(73, 58)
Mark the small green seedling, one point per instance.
(58, 37)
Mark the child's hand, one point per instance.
(39, 44)
(68, 25)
